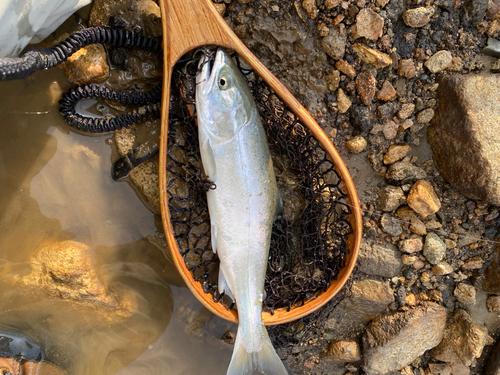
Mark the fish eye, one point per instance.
(225, 81)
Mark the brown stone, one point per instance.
(493, 303)
(330, 4)
(310, 7)
(366, 86)
(416, 225)
(406, 68)
(466, 126)
(394, 340)
(425, 116)
(356, 144)
(379, 260)
(473, 263)
(390, 198)
(439, 61)
(371, 56)
(491, 282)
(406, 110)
(396, 153)
(418, 17)
(387, 92)
(368, 299)
(411, 245)
(343, 351)
(423, 199)
(435, 295)
(221, 8)
(346, 68)
(333, 80)
(87, 65)
(463, 341)
(334, 43)
(390, 129)
(343, 101)
(145, 177)
(465, 294)
(442, 268)
(369, 24)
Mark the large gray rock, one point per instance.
(379, 260)
(394, 340)
(465, 135)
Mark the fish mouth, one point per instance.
(205, 79)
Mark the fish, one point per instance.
(242, 206)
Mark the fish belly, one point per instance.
(242, 206)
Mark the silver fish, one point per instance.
(242, 207)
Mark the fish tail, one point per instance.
(265, 361)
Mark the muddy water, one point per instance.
(56, 185)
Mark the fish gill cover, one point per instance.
(309, 241)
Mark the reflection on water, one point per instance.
(56, 186)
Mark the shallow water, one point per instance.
(56, 185)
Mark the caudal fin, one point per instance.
(265, 361)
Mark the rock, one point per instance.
(425, 116)
(356, 144)
(379, 260)
(396, 153)
(411, 245)
(366, 86)
(334, 43)
(466, 126)
(367, 300)
(404, 170)
(406, 110)
(391, 225)
(346, 68)
(330, 4)
(408, 259)
(493, 303)
(495, 67)
(491, 282)
(493, 366)
(390, 197)
(434, 248)
(310, 8)
(221, 8)
(387, 92)
(463, 341)
(442, 268)
(418, 17)
(369, 24)
(371, 56)
(87, 65)
(465, 294)
(361, 117)
(343, 351)
(333, 80)
(423, 199)
(394, 340)
(145, 177)
(66, 270)
(473, 11)
(343, 101)
(390, 129)
(439, 61)
(406, 68)
(408, 215)
(435, 295)
(473, 263)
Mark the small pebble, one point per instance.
(356, 144)
(439, 61)
(390, 129)
(465, 294)
(406, 110)
(366, 86)
(390, 197)
(396, 153)
(343, 101)
(434, 248)
(418, 17)
(371, 56)
(387, 92)
(435, 295)
(423, 199)
(406, 68)
(333, 80)
(411, 245)
(442, 268)
(369, 24)
(346, 68)
(493, 303)
(425, 116)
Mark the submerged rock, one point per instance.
(87, 65)
(466, 126)
(66, 270)
(394, 340)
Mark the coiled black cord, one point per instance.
(21, 67)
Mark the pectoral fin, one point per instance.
(208, 157)
(223, 285)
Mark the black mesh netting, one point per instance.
(309, 241)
